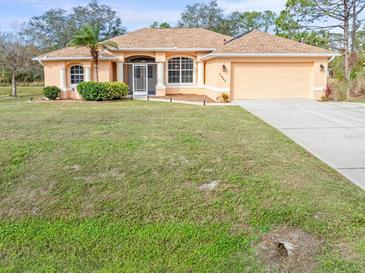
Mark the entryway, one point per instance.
(141, 75)
(140, 81)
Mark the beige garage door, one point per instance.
(271, 80)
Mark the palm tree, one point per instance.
(88, 36)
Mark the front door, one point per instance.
(140, 80)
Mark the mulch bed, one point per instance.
(187, 97)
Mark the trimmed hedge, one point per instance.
(51, 92)
(102, 91)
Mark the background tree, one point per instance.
(89, 36)
(14, 55)
(163, 25)
(328, 15)
(201, 15)
(98, 16)
(242, 22)
(56, 27)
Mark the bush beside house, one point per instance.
(51, 92)
(102, 91)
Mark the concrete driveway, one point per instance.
(333, 132)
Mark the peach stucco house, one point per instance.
(159, 62)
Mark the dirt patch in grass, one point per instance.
(288, 249)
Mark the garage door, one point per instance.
(271, 80)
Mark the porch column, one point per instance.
(87, 74)
(200, 65)
(63, 83)
(120, 72)
(62, 78)
(160, 88)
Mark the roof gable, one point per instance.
(257, 42)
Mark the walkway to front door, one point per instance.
(333, 132)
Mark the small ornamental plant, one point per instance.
(224, 98)
(51, 92)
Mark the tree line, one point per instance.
(333, 24)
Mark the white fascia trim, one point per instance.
(217, 55)
(70, 58)
(165, 49)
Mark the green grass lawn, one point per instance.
(89, 187)
(24, 93)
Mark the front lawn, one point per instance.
(115, 186)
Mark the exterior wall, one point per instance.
(52, 73)
(217, 72)
(53, 78)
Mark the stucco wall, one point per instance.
(217, 72)
(52, 74)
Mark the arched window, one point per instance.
(77, 74)
(180, 70)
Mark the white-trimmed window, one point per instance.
(181, 70)
(76, 74)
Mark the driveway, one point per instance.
(333, 132)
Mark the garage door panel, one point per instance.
(271, 81)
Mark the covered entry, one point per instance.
(141, 75)
(271, 80)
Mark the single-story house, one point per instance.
(255, 65)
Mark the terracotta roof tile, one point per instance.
(183, 38)
(262, 42)
(74, 52)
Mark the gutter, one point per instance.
(222, 55)
(70, 58)
(165, 49)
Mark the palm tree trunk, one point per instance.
(95, 57)
(13, 84)
(97, 69)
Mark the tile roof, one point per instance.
(262, 42)
(254, 42)
(181, 38)
(82, 52)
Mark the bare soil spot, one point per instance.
(210, 185)
(289, 250)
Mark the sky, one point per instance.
(134, 13)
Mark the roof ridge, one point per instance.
(238, 36)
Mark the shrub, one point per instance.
(51, 92)
(95, 91)
(358, 85)
(116, 90)
(224, 98)
(325, 98)
(339, 89)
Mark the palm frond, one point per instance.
(107, 45)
